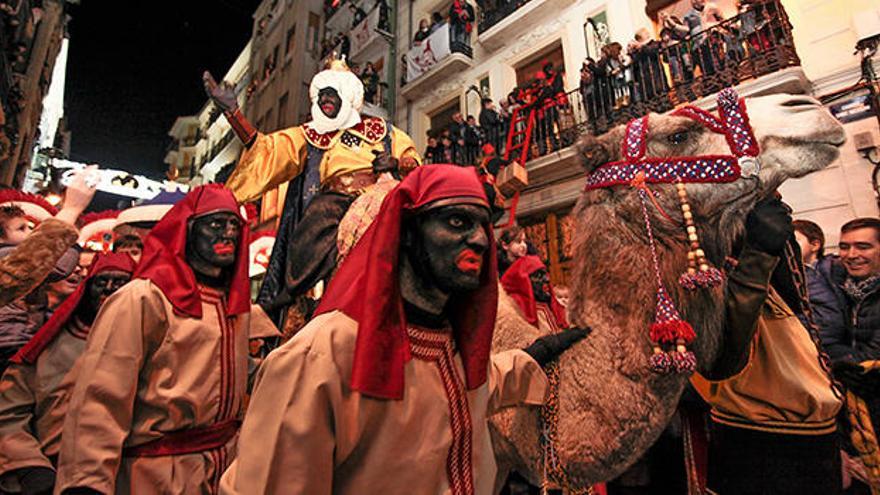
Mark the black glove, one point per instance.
(36, 480)
(223, 94)
(81, 490)
(549, 347)
(384, 162)
(851, 375)
(768, 226)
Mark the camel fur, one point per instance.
(612, 408)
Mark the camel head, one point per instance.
(612, 406)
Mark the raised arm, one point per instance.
(268, 160)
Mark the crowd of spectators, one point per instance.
(700, 44)
(463, 139)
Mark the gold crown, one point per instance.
(333, 63)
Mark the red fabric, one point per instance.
(164, 259)
(188, 441)
(518, 285)
(367, 288)
(47, 333)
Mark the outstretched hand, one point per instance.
(549, 347)
(854, 377)
(223, 94)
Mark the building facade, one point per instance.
(31, 35)
(795, 46)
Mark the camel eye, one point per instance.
(677, 137)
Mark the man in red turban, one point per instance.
(160, 387)
(388, 389)
(35, 388)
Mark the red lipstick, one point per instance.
(222, 248)
(468, 261)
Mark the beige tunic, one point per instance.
(33, 399)
(307, 432)
(147, 371)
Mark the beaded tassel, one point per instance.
(700, 274)
(669, 334)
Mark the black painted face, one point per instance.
(213, 242)
(100, 287)
(448, 244)
(541, 285)
(330, 102)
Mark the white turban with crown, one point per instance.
(351, 92)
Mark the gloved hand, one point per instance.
(223, 95)
(383, 162)
(768, 226)
(36, 480)
(550, 347)
(851, 375)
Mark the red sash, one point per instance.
(187, 441)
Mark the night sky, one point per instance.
(132, 71)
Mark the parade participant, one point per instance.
(332, 160)
(160, 386)
(528, 283)
(35, 388)
(773, 408)
(388, 389)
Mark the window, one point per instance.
(305, 107)
(282, 110)
(314, 32)
(441, 119)
(526, 71)
(291, 40)
(269, 120)
(484, 86)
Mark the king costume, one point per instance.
(161, 385)
(327, 163)
(361, 401)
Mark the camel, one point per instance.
(612, 408)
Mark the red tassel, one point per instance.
(668, 332)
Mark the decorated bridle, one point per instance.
(670, 335)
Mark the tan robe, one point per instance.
(307, 432)
(33, 399)
(147, 371)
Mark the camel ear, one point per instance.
(594, 152)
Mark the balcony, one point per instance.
(509, 19)
(367, 44)
(434, 59)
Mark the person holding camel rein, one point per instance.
(773, 417)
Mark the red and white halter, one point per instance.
(669, 333)
(732, 122)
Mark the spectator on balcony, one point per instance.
(650, 76)
(491, 123)
(461, 18)
(587, 89)
(384, 16)
(456, 133)
(505, 113)
(446, 149)
(752, 20)
(423, 32)
(357, 13)
(698, 19)
(437, 21)
(370, 80)
(473, 137)
(433, 153)
(344, 45)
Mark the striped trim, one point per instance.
(78, 329)
(438, 347)
(782, 427)
(549, 317)
(216, 298)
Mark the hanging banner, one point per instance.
(364, 32)
(434, 48)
